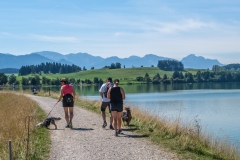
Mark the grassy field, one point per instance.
(125, 74)
(13, 127)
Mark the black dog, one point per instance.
(48, 121)
(126, 116)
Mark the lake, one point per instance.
(216, 106)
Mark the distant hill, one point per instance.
(199, 62)
(9, 70)
(86, 60)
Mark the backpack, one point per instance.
(107, 86)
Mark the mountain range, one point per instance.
(86, 60)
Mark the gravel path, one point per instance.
(88, 140)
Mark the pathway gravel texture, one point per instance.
(89, 141)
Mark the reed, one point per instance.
(14, 109)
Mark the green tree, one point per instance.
(12, 79)
(3, 79)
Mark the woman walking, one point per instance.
(116, 95)
(68, 95)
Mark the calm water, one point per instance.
(215, 105)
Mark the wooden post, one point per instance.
(10, 149)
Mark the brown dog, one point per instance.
(126, 116)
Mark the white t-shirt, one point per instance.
(102, 89)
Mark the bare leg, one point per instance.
(111, 119)
(71, 113)
(104, 116)
(114, 115)
(66, 114)
(119, 121)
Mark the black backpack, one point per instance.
(107, 86)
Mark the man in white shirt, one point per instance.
(106, 102)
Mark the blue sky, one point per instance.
(122, 28)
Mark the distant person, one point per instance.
(67, 96)
(34, 91)
(106, 102)
(116, 95)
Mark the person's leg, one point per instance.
(119, 121)
(111, 117)
(66, 114)
(71, 116)
(103, 108)
(71, 113)
(114, 114)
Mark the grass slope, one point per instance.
(124, 74)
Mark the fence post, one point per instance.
(27, 122)
(10, 149)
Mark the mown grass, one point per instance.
(14, 109)
(189, 140)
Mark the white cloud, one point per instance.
(185, 25)
(54, 38)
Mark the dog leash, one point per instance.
(52, 109)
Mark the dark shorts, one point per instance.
(104, 105)
(116, 107)
(68, 101)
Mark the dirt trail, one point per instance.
(88, 140)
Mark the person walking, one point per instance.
(106, 102)
(67, 96)
(116, 95)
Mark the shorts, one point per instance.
(116, 107)
(68, 101)
(104, 105)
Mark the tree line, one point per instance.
(48, 68)
(170, 65)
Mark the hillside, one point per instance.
(125, 74)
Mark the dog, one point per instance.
(126, 116)
(46, 123)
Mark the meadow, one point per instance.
(14, 111)
(125, 75)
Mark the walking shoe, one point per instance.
(70, 125)
(120, 131)
(116, 134)
(111, 127)
(104, 124)
(67, 126)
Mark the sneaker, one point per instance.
(67, 126)
(70, 125)
(120, 131)
(116, 134)
(111, 127)
(104, 124)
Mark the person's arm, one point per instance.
(108, 93)
(74, 94)
(123, 93)
(61, 95)
(101, 94)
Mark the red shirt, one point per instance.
(67, 89)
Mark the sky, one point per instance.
(122, 28)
